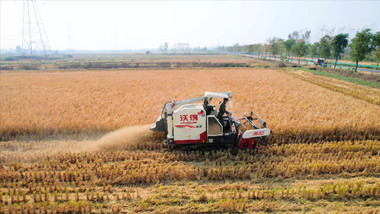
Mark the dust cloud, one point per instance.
(130, 138)
(127, 138)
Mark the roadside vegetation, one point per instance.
(364, 46)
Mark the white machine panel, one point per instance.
(256, 133)
(189, 123)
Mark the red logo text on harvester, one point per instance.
(189, 119)
(258, 133)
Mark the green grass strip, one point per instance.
(348, 79)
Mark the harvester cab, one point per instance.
(189, 122)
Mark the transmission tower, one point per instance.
(34, 37)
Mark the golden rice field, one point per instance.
(324, 155)
(44, 104)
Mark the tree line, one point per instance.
(365, 43)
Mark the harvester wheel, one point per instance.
(245, 144)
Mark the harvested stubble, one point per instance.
(46, 104)
(83, 180)
(371, 95)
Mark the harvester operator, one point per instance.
(222, 111)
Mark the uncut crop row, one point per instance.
(38, 105)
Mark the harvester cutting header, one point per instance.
(189, 122)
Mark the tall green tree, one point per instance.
(300, 49)
(325, 47)
(288, 44)
(376, 44)
(281, 46)
(314, 49)
(257, 48)
(376, 40)
(361, 45)
(306, 36)
(236, 47)
(294, 35)
(338, 44)
(247, 48)
(266, 48)
(377, 55)
(275, 46)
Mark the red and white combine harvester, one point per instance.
(189, 122)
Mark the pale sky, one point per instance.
(120, 25)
